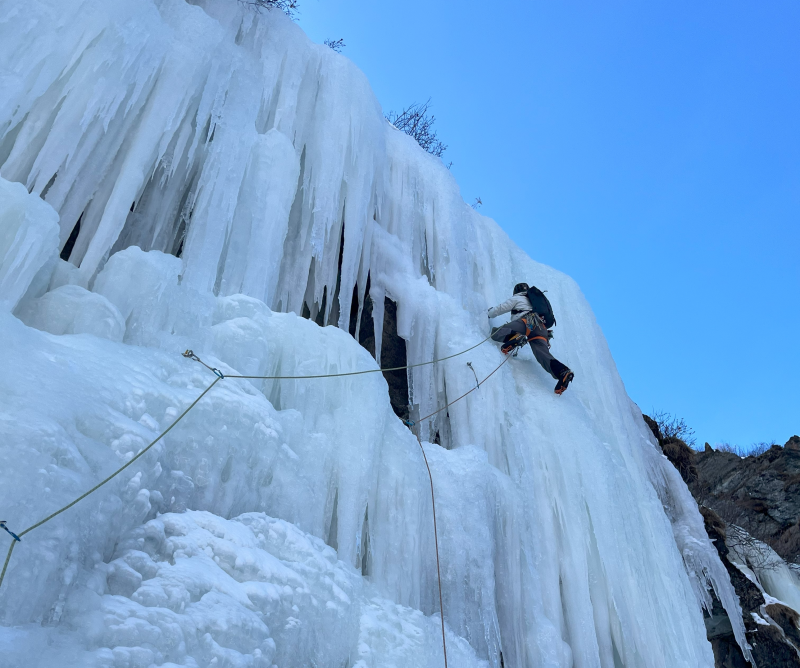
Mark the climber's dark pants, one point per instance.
(541, 351)
(539, 346)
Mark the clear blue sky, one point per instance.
(651, 150)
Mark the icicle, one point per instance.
(215, 159)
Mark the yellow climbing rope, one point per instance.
(16, 538)
(433, 499)
(219, 373)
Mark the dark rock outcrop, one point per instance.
(680, 454)
(787, 619)
(760, 494)
(393, 347)
(393, 354)
(772, 640)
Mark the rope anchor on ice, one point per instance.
(7, 530)
(190, 355)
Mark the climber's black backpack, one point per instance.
(541, 305)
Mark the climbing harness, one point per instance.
(532, 322)
(17, 538)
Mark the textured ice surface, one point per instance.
(763, 566)
(27, 243)
(226, 173)
(71, 309)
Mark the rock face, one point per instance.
(772, 629)
(760, 494)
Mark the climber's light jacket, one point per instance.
(518, 305)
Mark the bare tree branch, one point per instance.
(336, 44)
(753, 450)
(674, 428)
(288, 7)
(756, 553)
(415, 122)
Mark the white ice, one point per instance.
(217, 162)
(27, 243)
(764, 567)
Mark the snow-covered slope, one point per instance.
(225, 172)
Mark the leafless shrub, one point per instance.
(415, 121)
(760, 448)
(477, 203)
(758, 554)
(288, 7)
(674, 428)
(336, 44)
(753, 450)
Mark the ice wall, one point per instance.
(27, 243)
(214, 173)
(763, 566)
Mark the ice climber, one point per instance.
(534, 317)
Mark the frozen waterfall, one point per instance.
(207, 175)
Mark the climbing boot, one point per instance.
(514, 342)
(564, 381)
